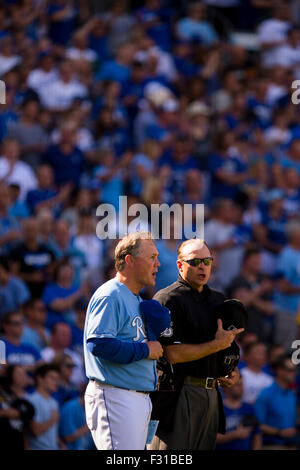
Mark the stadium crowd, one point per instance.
(163, 101)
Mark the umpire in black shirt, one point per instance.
(190, 348)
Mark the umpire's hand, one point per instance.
(230, 380)
(224, 338)
(155, 350)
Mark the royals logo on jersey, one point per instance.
(168, 332)
(137, 323)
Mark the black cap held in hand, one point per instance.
(233, 314)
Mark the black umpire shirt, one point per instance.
(194, 321)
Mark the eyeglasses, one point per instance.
(197, 261)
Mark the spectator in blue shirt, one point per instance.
(133, 89)
(166, 123)
(111, 175)
(73, 428)
(110, 97)
(194, 26)
(259, 105)
(46, 195)
(7, 115)
(9, 226)
(156, 21)
(60, 296)
(110, 132)
(227, 172)
(98, 40)
(180, 160)
(13, 291)
(287, 297)
(237, 117)
(35, 332)
(18, 208)
(63, 248)
(274, 219)
(144, 165)
(275, 408)
(66, 159)
(119, 68)
(16, 351)
(66, 390)
(62, 15)
(242, 432)
(183, 59)
(291, 158)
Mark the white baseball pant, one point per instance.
(118, 419)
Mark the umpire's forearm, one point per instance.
(190, 352)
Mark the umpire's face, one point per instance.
(145, 264)
(196, 276)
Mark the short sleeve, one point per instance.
(49, 294)
(22, 292)
(285, 266)
(67, 425)
(171, 335)
(260, 407)
(38, 412)
(104, 319)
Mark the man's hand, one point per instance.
(230, 380)
(242, 432)
(288, 433)
(11, 413)
(155, 350)
(224, 338)
(54, 416)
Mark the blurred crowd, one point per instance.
(163, 101)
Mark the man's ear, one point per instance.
(129, 260)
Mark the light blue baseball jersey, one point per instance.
(113, 312)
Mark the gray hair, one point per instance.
(129, 245)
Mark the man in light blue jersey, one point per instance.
(119, 359)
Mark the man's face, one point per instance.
(146, 264)
(39, 312)
(196, 276)
(30, 229)
(253, 263)
(15, 326)
(287, 373)
(11, 151)
(257, 355)
(50, 381)
(45, 176)
(62, 335)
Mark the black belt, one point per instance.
(121, 388)
(207, 382)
